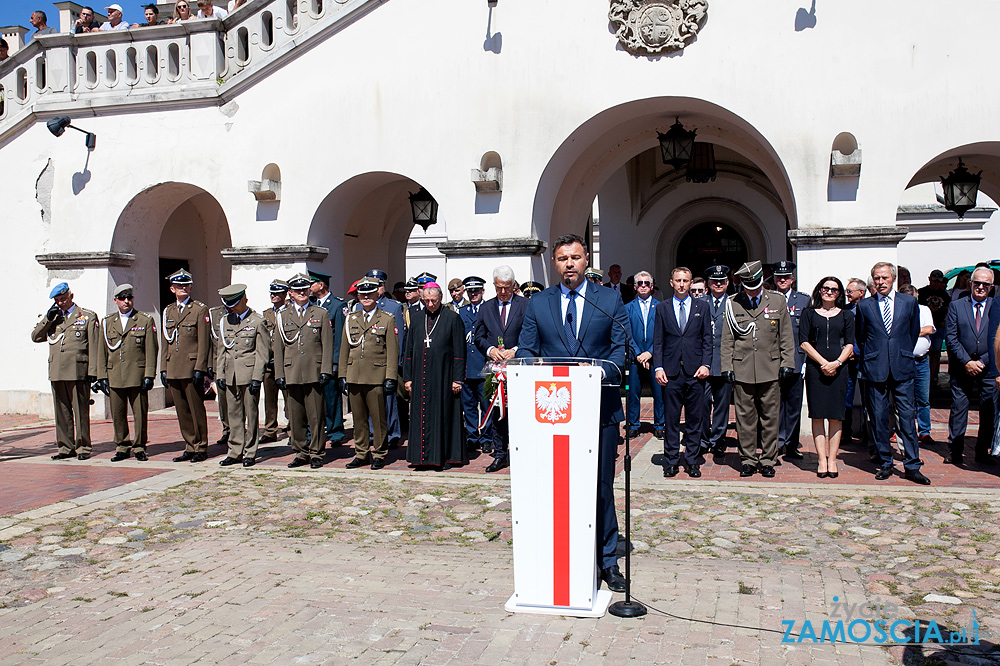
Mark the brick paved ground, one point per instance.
(196, 564)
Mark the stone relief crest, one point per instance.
(646, 27)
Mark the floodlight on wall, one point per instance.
(58, 126)
(424, 208)
(676, 144)
(961, 189)
(701, 167)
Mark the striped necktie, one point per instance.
(886, 316)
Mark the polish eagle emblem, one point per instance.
(552, 402)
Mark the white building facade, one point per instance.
(289, 136)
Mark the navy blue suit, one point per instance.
(718, 392)
(642, 341)
(791, 389)
(679, 353)
(489, 331)
(887, 366)
(473, 398)
(966, 343)
(544, 334)
(331, 396)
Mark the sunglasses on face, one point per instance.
(644, 283)
(984, 285)
(124, 297)
(830, 290)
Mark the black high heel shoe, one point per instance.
(832, 475)
(822, 475)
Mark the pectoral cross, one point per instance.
(427, 341)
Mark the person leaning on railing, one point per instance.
(182, 12)
(152, 17)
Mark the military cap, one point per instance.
(232, 294)
(783, 267)
(474, 282)
(594, 273)
(529, 288)
(454, 282)
(367, 285)
(299, 281)
(426, 277)
(378, 274)
(180, 277)
(123, 289)
(717, 272)
(59, 289)
(411, 285)
(278, 287)
(751, 274)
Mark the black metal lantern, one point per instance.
(675, 145)
(961, 189)
(424, 208)
(701, 168)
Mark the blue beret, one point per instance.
(60, 288)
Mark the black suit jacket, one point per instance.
(690, 348)
(488, 328)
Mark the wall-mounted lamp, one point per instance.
(491, 3)
(58, 125)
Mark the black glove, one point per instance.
(221, 383)
(104, 387)
(729, 376)
(280, 383)
(325, 379)
(786, 373)
(163, 378)
(147, 384)
(199, 378)
(342, 385)
(254, 387)
(389, 385)
(211, 373)
(52, 313)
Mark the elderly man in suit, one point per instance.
(791, 388)
(682, 353)
(498, 331)
(641, 316)
(718, 392)
(967, 336)
(580, 318)
(887, 327)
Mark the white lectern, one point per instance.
(554, 408)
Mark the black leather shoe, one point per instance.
(199, 457)
(266, 439)
(227, 461)
(658, 434)
(917, 477)
(83, 456)
(497, 465)
(141, 456)
(632, 433)
(63, 456)
(487, 448)
(718, 450)
(249, 462)
(883, 473)
(987, 460)
(955, 460)
(694, 471)
(748, 470)
(377, 463)
(767, 471)
(223, 440)
(298, 462)
(356, 463)
(792, 453)
(670, 471)
(184, 457)
(613, 578)
(118, 457)
(315, 464)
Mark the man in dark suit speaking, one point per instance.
(888, 326)
(574, 318)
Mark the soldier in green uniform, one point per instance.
(184, 361)
(125, 370)
(279, 291)
(303, 364)
(243, 349)
(73, 340)
(369, 358)
(757, 351)
(216, 315)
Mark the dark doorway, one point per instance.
(711, 243)
(168, 267)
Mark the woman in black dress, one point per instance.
(826, 332)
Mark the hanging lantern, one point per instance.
(961, 189)
(675, 145)
(424, 208)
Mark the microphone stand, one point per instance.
(628, 607)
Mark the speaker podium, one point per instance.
(554, 408)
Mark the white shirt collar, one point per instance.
(581, 290)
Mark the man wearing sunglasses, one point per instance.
(126, 367)
(968, 340)
(642, 317)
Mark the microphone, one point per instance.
(628, 346)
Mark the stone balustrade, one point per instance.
(194, 63)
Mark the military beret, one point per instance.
(278, 287)
(180, 277)
(123, 289)
(367, 285)
(474, 282)
(354, 287)
(454, 283)
(59, 289)
(300, 281)
(783, 267)
(232, 294)
(717, 272)
(378, 274)
(751, 274)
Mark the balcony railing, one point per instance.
(198, 62)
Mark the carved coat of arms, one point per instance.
(646, 27)
(552, 402)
